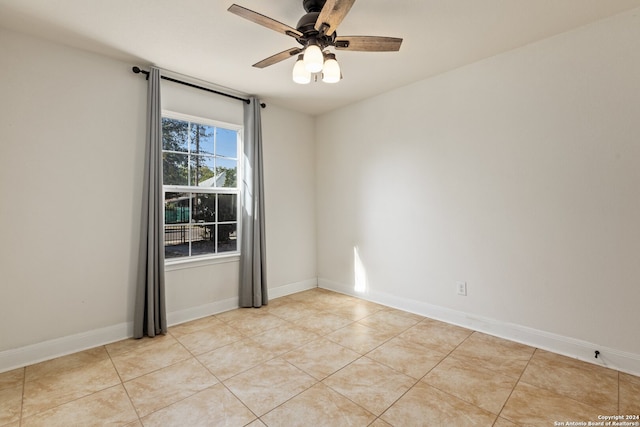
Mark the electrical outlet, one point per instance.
(462, 288)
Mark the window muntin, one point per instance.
(201, 193)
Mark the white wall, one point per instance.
(70, 126)
(71, 159)
(289, 156)
(517, 174)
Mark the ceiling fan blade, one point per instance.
(274, 59)
(265, 21)
(368, 43)
(332, 14)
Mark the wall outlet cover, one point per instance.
(461, 288)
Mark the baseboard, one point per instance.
(566, 346)
(47, 350)
(292, 288)
(193, 313)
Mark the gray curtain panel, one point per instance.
(253, 257)
(150, 317)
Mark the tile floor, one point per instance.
(315, 358)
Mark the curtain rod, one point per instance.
(137, 70)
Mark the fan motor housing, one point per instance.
(307, 26)
(313, 5)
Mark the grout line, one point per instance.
(514, 386)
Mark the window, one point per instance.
(200, 182)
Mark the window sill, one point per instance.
(172, 265)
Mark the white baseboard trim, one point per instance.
(193, 313)
(292, 288)
(47, 350)
(566, 346)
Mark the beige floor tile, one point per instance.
(234, 358)
(12, 378)
(500, 355)
(55, 387)
(629, 394)
(161, 388)
(501, 422)
(436, 335)
(150, 357)
(65, 363)
(380, 423)
(308, 295)
(215, 406)
(106, 407)
(254, 325)
(268, 385)
(284, 338)
(407, 357)
(204, 340)
(370, 384)
(241, 313)
(275, 302)
(294, 310)
(323, 322)
(325, 298)
(318, 406)
(354, 310)
(467, 381)
(195, 325)
(393, 321)
(534, 406)
(10, 404)
(587, 383)
(426, 406)
(130, 344)
(359, 338)
(314, 358)
(320, 358)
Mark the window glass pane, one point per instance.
(202, 171)
(204, 207)
(199, 220)
(176, 208)
(227, 207)
(202, 139)
(227, 237)
(226, 143)
(203, 239)
(175, 135)
(176, 241)
(227, 171)
(174, 169)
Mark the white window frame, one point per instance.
(197, 260)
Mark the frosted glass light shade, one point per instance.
(331, 70)
(313, 58)
(300, 73)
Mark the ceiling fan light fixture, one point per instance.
(313, 58)
(300, 73)
(331, 71)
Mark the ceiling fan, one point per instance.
(315, 32)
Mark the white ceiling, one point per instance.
(199, 38)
